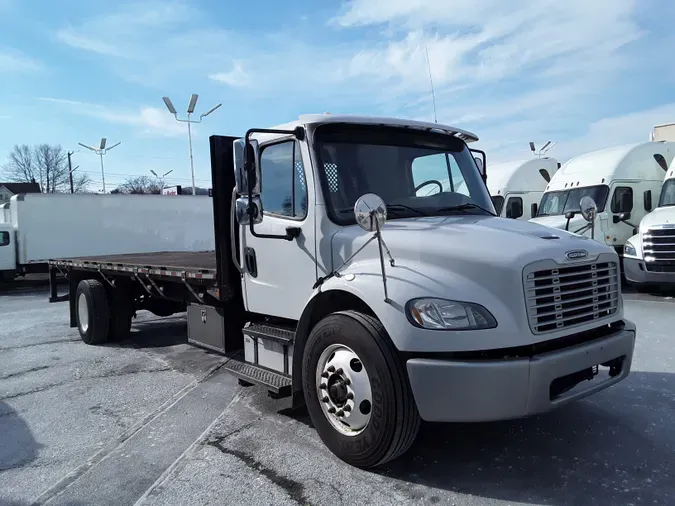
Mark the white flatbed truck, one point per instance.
(334, 283)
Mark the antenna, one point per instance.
(433, 94)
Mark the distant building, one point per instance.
(7, 190)
(664, 132)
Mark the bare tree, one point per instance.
(45, 163)
(21, 166)
(140, 185)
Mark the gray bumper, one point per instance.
(476, 391)
(636, 273)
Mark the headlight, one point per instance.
(629, 249)
(441, 314)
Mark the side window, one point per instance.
(622, 200)
(498, 202)
(437, 167)
(284, 186)
(514, 207)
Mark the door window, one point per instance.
(284, 186)
(622, 200)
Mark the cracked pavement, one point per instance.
(155, 421)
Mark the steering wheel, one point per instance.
(431, 181)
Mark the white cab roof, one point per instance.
(520, 175)
(626, 162)
(316, 119)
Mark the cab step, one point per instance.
(278, 384)
(269, 347)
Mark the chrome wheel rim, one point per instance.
(83, 312)
(344, 391)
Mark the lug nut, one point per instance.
(331, 368)
(350, 396)
(324, 374)
(340, 413)
(339, 371)
(331, 409)
(323, 386)
(348, 381)
(347, 408)
(326, 399)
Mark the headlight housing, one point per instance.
(629, 249)
(441, 314)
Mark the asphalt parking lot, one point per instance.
(155, 421)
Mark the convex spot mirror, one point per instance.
(242, 154)
(242, 210)
(588, 208)
(370, 212)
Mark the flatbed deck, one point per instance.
(183, 264)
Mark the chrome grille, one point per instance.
(658, 246)
(568, 296)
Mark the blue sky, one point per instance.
(588, 74)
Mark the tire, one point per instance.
(393, 422)
(91, 310)
(121, 313)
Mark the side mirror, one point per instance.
(481, 163)
(514, 208)
(618, 218)
(242, 154)
(370, 212)
(647, 197)
(244, 217)
(533, 210)
(588, 208)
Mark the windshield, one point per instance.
(415, 173)
(498, 202)
(560, 202)
(667, 193)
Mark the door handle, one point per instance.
(251, 264)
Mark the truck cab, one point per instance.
(7, 252)
(516, 187)
(649, 255)
(624, 181)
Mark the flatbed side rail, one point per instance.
(171, 272)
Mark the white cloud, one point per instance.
(13, 61)
(150, 121)
(235, 77)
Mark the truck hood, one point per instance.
(659, 216)
(481, 242)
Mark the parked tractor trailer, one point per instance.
(335, 283)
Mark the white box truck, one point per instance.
(516, 187)
(38, 227)
(335, 283)
(624, 181)
(649, 256)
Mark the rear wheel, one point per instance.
(92, 311)
(356, 390)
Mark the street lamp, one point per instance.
(101, 150)
(190, 110)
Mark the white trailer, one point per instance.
(624, 181)
(337, 282)
(39, 227)
(649, 256)
(516, 187)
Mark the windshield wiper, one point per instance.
(465, 207)
(391, 208)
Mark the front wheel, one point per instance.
(356, 390)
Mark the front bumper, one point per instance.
(636, 273)
(486, 390)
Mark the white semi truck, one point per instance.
(335, 283)
(38, 227)
(624, 181)
(649, 256)
(516, 187)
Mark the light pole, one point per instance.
(161, 178)
(101, 150)
(189, 121)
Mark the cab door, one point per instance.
(279, 274)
